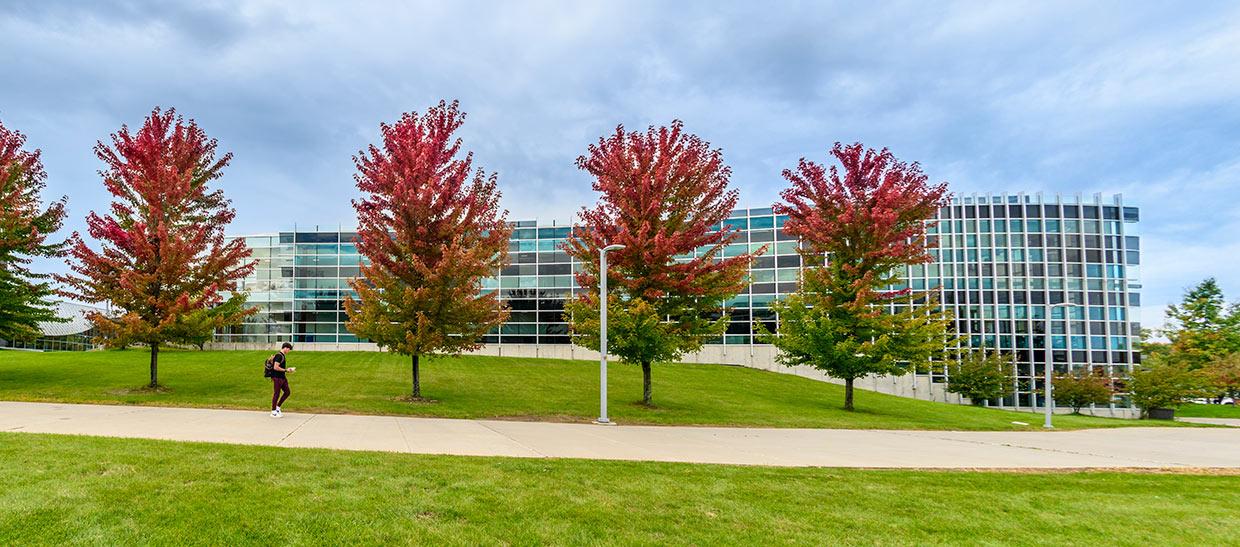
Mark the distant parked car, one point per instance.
(1227, 401)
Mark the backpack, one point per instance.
(269, 366)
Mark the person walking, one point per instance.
(277, 367)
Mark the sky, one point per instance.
(1138, 98)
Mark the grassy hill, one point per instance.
(487, 387)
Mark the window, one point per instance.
(318, 237)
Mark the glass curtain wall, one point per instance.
(1040, 280)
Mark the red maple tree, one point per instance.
(664, 196)
(25, 225)
(870, 222)
(163, 255)
(432, 229)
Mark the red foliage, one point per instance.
(163, 249)
(664, 194)
(418, 189)
(24, 225)
(870, 220)
(432, 229)
(12, 155)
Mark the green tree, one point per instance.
(1152, 349)
(635, 331)
(1082, 388)
(848, 319)
(1203, 326)
(980, 375)
(25, 225)
(197, 328)
(1166, 386)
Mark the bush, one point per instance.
(980, 375)
(1166, 386)
(1081, 388)
(1224, 375)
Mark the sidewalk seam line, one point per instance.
(506, 436)
(1043, 449)
(295, 429)
(403, 437)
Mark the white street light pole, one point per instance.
(1049, 402)
(602, 332)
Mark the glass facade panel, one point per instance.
(1011, 275)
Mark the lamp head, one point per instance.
(613, 247)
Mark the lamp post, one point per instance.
(1049, 402)
(602, 333)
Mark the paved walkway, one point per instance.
(1122, 447)
(1229, 422)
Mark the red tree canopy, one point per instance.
(431, 228)
(24, 224)
(664, 195)
(163, 253)
(870, 220)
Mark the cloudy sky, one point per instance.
(1132, 97)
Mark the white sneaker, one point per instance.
(275, 414)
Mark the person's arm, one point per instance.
(278, 366)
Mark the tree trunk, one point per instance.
(154, 365)
(848, 394)
(417, 379)
(647, 395)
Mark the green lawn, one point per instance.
(487, 387)
(1208, 411)
(68, 489)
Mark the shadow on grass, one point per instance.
(415, 400)
(144, 390)
(652, 407)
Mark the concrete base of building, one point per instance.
(762, 357)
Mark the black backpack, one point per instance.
(269, 366)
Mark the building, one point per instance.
(1039, 278)
(74, 334)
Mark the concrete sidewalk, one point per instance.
(1229, 422)
(1121, 447)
